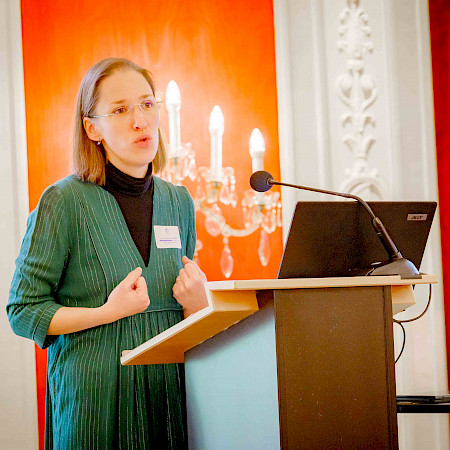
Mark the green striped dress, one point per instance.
(76, 249)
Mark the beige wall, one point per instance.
(18, 415)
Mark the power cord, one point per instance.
(404, 340)
(401, 322)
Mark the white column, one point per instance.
(18, 409)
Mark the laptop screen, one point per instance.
(333, 239)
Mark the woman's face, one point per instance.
(130, 140)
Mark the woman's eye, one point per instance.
(147, 105)
(120, 110)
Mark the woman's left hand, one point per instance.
(189, 289)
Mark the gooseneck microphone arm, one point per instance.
(381, 231)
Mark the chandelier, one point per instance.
(216, 185)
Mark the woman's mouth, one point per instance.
(143, 141)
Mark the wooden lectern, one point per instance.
(313, 368)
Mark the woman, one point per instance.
(97, 275)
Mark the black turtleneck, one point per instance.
(135, 199)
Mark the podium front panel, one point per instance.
(231, 387)
(336, 378)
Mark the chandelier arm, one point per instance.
(225, 229)
(239, 232)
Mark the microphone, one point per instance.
(262, 181)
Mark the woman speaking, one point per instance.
(104, 266)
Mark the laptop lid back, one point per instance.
(334, 238)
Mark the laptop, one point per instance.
(337, 239)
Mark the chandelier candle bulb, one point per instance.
(216, 128)
(173, 105)
(257, 149)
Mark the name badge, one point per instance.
(167, 236)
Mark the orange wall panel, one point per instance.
(219, 52)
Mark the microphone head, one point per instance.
(260, 181)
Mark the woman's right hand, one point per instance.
(129, 297)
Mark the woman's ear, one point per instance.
(91, 130)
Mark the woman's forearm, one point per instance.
(129, 297)
(71, 319)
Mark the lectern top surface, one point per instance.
(303, 283)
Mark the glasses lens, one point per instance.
(147, 105)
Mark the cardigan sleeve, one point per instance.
(39, 267)
(189, 214)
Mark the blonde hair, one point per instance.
(89, 159)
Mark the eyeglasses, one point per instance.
(123, 110)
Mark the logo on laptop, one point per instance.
(417, 217)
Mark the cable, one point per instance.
(404, 341)
(401, 322)
(418, 317)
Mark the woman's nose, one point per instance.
(139, 119)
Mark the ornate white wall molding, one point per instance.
(358, 92)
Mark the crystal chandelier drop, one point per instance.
(216, 185)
